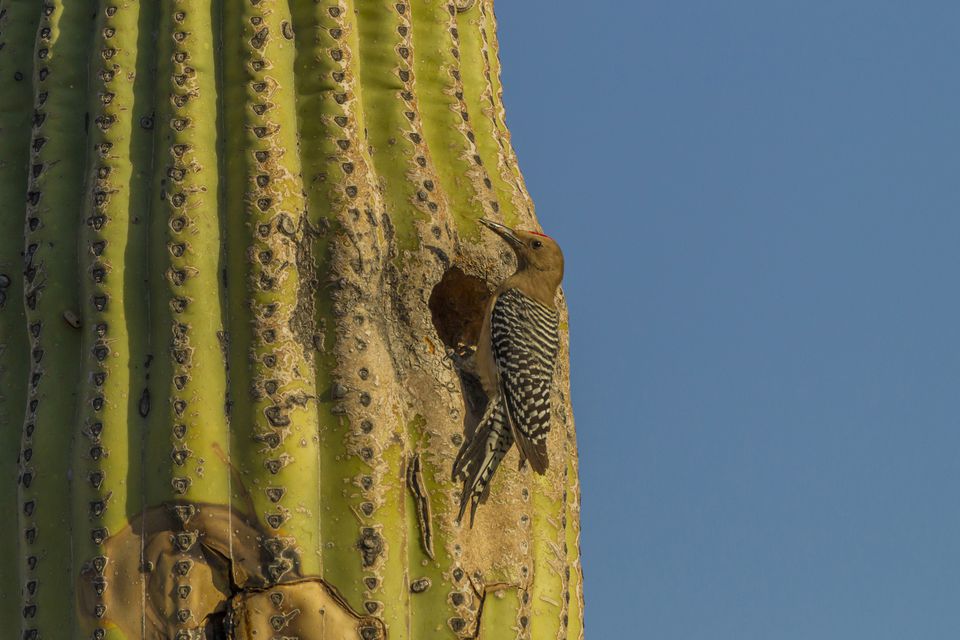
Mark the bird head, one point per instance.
(535, 251)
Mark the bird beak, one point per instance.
(503, 231)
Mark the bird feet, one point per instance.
(463, 358)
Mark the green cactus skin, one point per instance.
(187, 439)
(272, 381)
(446, 122)
(113, 306)
(399, 152)
(224, 367)
(58, 151)
(336, 178)
(507, 163)
(18, 29)
(479, 77)
(573, 589)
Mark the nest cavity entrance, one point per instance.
(457, 304)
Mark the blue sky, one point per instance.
(760, 206)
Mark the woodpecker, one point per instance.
(515, 360)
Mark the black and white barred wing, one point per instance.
(526, 339)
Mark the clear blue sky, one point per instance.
(760, 207)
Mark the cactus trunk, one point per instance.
(239, 239)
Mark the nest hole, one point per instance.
(457, 305)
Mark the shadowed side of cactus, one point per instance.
(239, 239)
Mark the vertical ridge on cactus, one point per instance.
(18, 24)
(239, 240)
(113, 311)
(58, 149)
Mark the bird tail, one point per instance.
(481, 455)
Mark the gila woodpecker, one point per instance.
(515, 359)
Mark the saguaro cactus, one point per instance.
(238, 240)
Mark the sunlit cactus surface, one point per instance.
(238, 243)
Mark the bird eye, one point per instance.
(537, 244)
